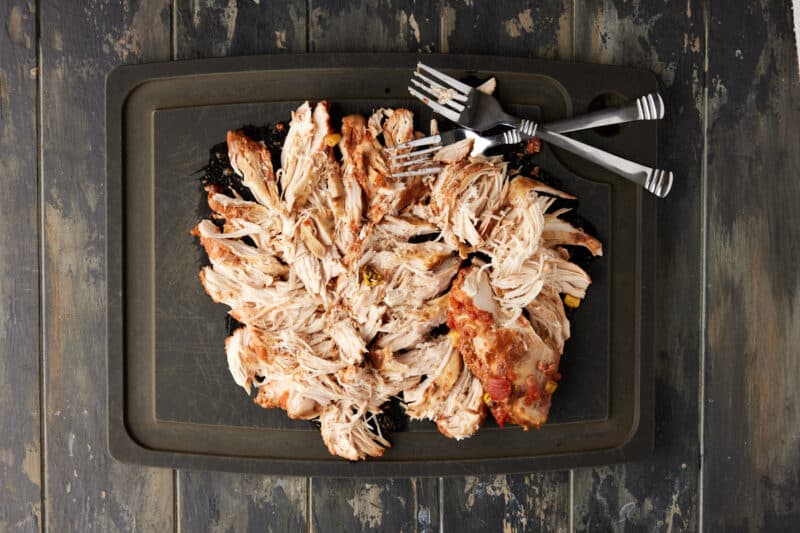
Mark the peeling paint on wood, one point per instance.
(230, 27)
(374, 26)
(749, 96)
(402, 505)
(534, 502)
(93, 37)
(668, 40)
(536, 29)
(20, 452)
(796, 17)
(220, 502)
(752, 442)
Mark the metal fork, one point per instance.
(472, 109)
(422, 159)
(647, 107)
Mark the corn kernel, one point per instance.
(370, 277)
(571, 301)
(550, 387)
(486, 398)
(332, 139)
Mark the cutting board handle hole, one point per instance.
(604, 101)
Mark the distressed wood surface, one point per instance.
(221, 502)
(352, 504)
(222, 28)
(84, 488)
(661, 493)
(526, 29)
(215, 501)
(733, 206)
(752, 399)
(533, 502)
(373, 26)
(20, 450)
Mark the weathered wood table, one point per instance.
(727, 452)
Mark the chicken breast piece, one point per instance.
(449, 395)
(253, 162)
(466, 198)
(305, 155)
(517, 369)
(410, 327)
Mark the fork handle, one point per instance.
(658, 182)
(647, 107)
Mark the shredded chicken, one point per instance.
(346, 281)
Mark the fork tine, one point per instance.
(418, 158)
(399, 157)
(432, 93)
(424, 141)
(452, 82)
(442, 110)
(422, 172)
(397, 167)
(439, 87)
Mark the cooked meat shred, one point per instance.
(346, 281)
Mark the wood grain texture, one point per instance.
(215, 501)
(20, 450)
(543, 30)
(534, 502)
(221, 502)
(85, 488)
(351, 504)
(534, 29)
(373, 26)
(660, 493)
(752, 399)
(239, 27)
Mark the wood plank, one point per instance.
(752, 442)
(661, 492)
(534, 502)
(534, 29)
(350, 504)
(86, 488)
(222, 28)
(20, 450)
(544, 30)
(374, 504)
(218, 501)
(373, 26)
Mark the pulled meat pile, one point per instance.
(344, 278)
